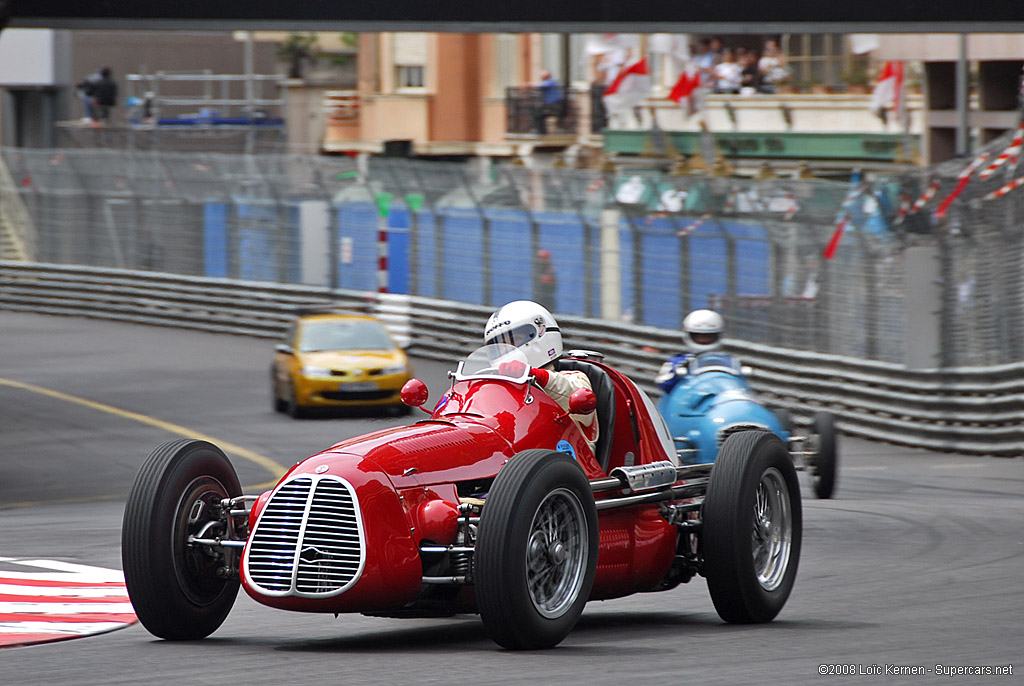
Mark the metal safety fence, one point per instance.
(639, 246)
(966, 410)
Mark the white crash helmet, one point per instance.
(527, 326)
(702, 331)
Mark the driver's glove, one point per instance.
(512, 368)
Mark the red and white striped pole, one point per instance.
(962, 180)
(1011, 154)
(382, 256)
(383, 208)
(1016, 183)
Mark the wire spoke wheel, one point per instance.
(772, 533)
(557, 553)
(536, 550)
(752, 527)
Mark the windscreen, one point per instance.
(494, 361)
(715, 362)
(355, 334)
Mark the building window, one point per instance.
(409, 56)
(506, 65)
(409, 76)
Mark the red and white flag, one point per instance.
(629, 89)
(684, 93)
(888, 93)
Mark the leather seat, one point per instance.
(604, 389)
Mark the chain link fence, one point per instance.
(640, 244)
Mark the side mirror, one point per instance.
(414, 393)
(582, 401)
(284, 348)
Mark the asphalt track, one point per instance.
(918, 561)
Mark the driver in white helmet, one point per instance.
(702, 332)
(531, 328)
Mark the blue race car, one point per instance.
(708, 399)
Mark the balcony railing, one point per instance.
(527, 113)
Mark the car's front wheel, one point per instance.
(180, 591)
(536, 552)
(292, 406)
(752, 528)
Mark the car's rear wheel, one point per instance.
(536, 551)
(179, 591)
(752, 528)
(823, 466)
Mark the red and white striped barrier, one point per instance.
(903, 210)
(65, 601)
(1000, 192)
(962, 180)
(926, 197)
(694, 224)
(1011, 154)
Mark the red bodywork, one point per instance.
(408, 482)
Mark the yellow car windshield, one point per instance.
(343, 335)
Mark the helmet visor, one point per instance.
(524, 333)
(704, 338)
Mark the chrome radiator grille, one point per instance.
(308, 540)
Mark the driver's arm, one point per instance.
(671, 371)
(560, 385)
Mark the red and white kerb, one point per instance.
(49, 600)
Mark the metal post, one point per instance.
(334, 238)
(250, 94)
(962, 99)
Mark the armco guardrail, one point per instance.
(966, 410)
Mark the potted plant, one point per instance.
(298, 49)
(856, 79)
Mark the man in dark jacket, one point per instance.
(104, 95)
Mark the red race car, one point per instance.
(495, 504)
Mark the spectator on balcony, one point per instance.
(705, 60)
(552, 100)
(772, 66)
(750, 81)
(728, 74)
(98, 93)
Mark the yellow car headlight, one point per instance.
(401, 368)
(316, 372)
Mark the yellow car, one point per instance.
(338, 360)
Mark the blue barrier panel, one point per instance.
(292, 267)
(660, 274)
(357, 234)
(708, 269)
(425, 256)
(215, 240)
(256, 255)
(462, 255)
(563, 236)
(753, 258)
(510, 261)
(398, 249)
